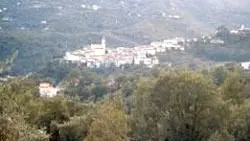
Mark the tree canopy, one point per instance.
(168, 105)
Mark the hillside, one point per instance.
(43, 30)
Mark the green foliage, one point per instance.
(24, 115)
(7, 64)
(110, 122)
(77, 128)
(145, 116)
(54, 70)
(126, 83)
(235, 106)
(236, 47)
(186, 106)
(85, 84)
(223, 33)
(174, 105)
(54, 109)
(185, 99)
(14, 96)
(219, 75)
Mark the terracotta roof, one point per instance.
(45, 85)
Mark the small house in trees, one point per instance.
(245, 65)
(47, 90)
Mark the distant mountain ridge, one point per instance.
(79, 16)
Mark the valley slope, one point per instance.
(44, 30)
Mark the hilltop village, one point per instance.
(98, 55)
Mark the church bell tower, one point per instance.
(104, 42)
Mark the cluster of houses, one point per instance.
(241, 30)
(97, 55)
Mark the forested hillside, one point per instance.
(43, 30)
(236, 47)
(186, 97)
(173, 105)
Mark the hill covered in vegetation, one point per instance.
(235, 46)
(43, 30)
(173, 105)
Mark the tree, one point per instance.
(180, 106)
(7, 64)
(144, 113)
(14, 128)
(76, 129)
(54, 132)
(235, 104)
(14, 95)
(85, 84)
(219, 75)
(187, 100)
(223, 33)
(126, 83)
(54, 109)
(233, 87)
(110, 123)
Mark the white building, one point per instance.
(195, 39)
(174, 47)
(71, 57)
(182, 49)
(47, 90)
(176, 40)
(89, 64)
(156, 44)
(97, 64)
(174, 16)
(43, 22)
(6, 19)
(120, 50)
(242, 27)
(160, 49)
(150, 50)
(147, 61)
(96, 55)
(95, 7)
(137, 60)
(245, 65)
(234, 31)
(170, 42)
(217, 41)
(120, 62)
(99, 49)
(128, 59)
(83, 6)
(123, 60)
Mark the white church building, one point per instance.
(99, 49)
